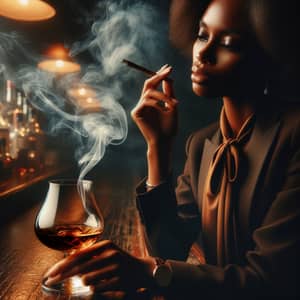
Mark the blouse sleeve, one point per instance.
(171, 219)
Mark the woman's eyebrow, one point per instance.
(224, 31)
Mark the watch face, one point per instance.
(162, 275)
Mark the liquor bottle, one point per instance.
(18, 131)
(2, 170)
(10, 99)
(35, 142)
(25, 109)
(4, 130)
(6, 161)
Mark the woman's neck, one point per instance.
(237, 112)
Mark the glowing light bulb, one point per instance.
(89, 100)
(24, 2)
(82, 91)
(31, 154)
(59, 63)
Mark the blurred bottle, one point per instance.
(10, 99)
(35, 142)
(6, 161)
(17, 128)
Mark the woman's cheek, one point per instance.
(227, 62)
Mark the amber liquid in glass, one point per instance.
(68, 237)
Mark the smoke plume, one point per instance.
(121, 29)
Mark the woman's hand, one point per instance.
(105, 267)
(156, 112)
(157, 118)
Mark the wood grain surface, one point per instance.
(24, 260)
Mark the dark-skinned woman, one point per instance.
(238, 195)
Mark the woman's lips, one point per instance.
(199, 75)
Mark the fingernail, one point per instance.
(46, 281)
(162, 68)
(50, 280)
(49, 273)
(166, 70)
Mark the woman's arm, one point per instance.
(156, 116)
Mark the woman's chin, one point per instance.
(201, 90)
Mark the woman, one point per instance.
(240, 187)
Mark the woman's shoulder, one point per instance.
(285, 111)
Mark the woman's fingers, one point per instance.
(94, 277)
(155, 99)
(155, 80)
(112, 284)
(168, 88)
(78, 258)
(160, 96)
(147, 106)
(93, 263)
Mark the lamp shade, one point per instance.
(26, 10)
(58, 61)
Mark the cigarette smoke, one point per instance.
(123, 29)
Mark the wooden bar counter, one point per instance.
(24, 260)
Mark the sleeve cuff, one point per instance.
(151, 204)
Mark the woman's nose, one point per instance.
(206, 54)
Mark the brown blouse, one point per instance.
(219, 198)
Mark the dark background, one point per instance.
(72, 23)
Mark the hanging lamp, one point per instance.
(58, 61)
(26, 10)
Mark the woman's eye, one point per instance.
(202, 37)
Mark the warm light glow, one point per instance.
(57, 51)
(58, 61)
(60, 67)
(24, 2)
(26, 10)
(31, 154)
(82, 91)
(85, 98)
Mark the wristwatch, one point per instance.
(162, 272)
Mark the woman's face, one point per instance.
(219, 53)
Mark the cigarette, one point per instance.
(143, 69)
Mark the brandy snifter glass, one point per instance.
(68, 220)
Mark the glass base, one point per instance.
(72, 287)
